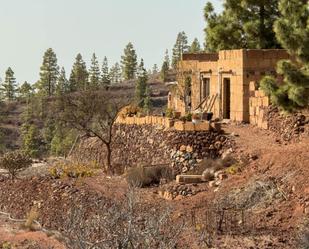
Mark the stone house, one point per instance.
(221, 82)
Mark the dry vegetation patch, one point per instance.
(145, 176)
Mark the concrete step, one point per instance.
(187, 179)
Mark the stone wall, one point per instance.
(147, 145)
(167, 123)
(258, 105)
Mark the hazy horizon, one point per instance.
(30, 27)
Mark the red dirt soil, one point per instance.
(287, 165)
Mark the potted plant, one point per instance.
(196, 118)
(177, 115)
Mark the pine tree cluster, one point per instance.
(292, 31)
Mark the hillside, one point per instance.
(11, 112)
(270, 191)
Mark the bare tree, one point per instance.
(182, 90)
(94, 114)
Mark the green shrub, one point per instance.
(169, 113)
(14, 162)
(146, 176)
(233, 169)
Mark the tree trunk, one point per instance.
(262, 28)
(109, 159)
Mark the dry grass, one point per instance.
(72, 170)
(32, 216)
(6, 245)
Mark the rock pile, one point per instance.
(178, 191)
(216, 179)
(287, 127)
(184, 159)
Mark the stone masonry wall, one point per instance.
(258, 105)
(148, 145)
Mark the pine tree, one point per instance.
(8, 87)
(164, 71)
(94, 73)
(31, 139)
(180, 47)
(167, 59)
(129, 62)
(115, 73)
(105, 77)
(141, 84)
(155, 69)
(147, 100)
(242, 24)
(48, 74)
(292, 31)
(25, 91)
(195, 46)
(165, 67)
(62, 141)
(62, 84)
(79, 75)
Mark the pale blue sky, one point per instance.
(29, 27)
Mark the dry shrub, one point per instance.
(130, 111)
(32, 216)
(72, 170)
(213, 165)
(146, 176)
(14, 162)
(255, 195)
(126, 224)
(6, 245)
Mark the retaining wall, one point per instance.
(149, 145)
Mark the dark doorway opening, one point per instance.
(226, 98)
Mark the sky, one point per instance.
(29, 27)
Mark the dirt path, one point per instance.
(250, 138)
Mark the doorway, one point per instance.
(226, 98)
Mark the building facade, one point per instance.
(219, 82)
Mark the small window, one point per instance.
(205, 89)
